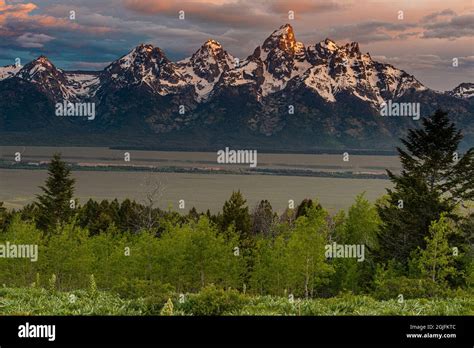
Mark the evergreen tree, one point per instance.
(235, 219)
(434, 180)
(87, 216)
(236, 212)
(55, 204)
(128, 215)
(193, 215)
(29, 212)
(305, 206)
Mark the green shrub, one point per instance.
(391, 288)
(154, 294)
(213, 301)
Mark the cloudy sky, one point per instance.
(423, 39)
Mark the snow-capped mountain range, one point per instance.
(146, 87)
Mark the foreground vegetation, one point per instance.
(415, 248)
(211, 301)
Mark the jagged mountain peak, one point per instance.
(283, 39)
(144, 64)
(210, 50)
(286, 26)
(344, 69)
(142, 54)
(352, 47)
(148, 66)
(204, 68)
(212, 44)
(55, 83)
(284, 30)
(42, 59)
(39, 69)
(329, 45)
(147, 50)
(144, 46)
(465, 90)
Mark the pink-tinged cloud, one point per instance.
(16, 7)
(237, 13)
(19, 11)
(200, 6)
(17, 18)
(228, 12)
(305, 6)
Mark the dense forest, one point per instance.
(128, 257)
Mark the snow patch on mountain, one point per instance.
(9, 71)
(205, 67)
(463, 91)
(83, 84)
(147, 66)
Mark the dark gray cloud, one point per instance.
(32, 40)
(436, 15)
(455, 27)
(429, 67)
(369, 31)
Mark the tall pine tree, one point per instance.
(236, 212)
(55, 204)
(434, 179)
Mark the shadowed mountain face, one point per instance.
(284, 96)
